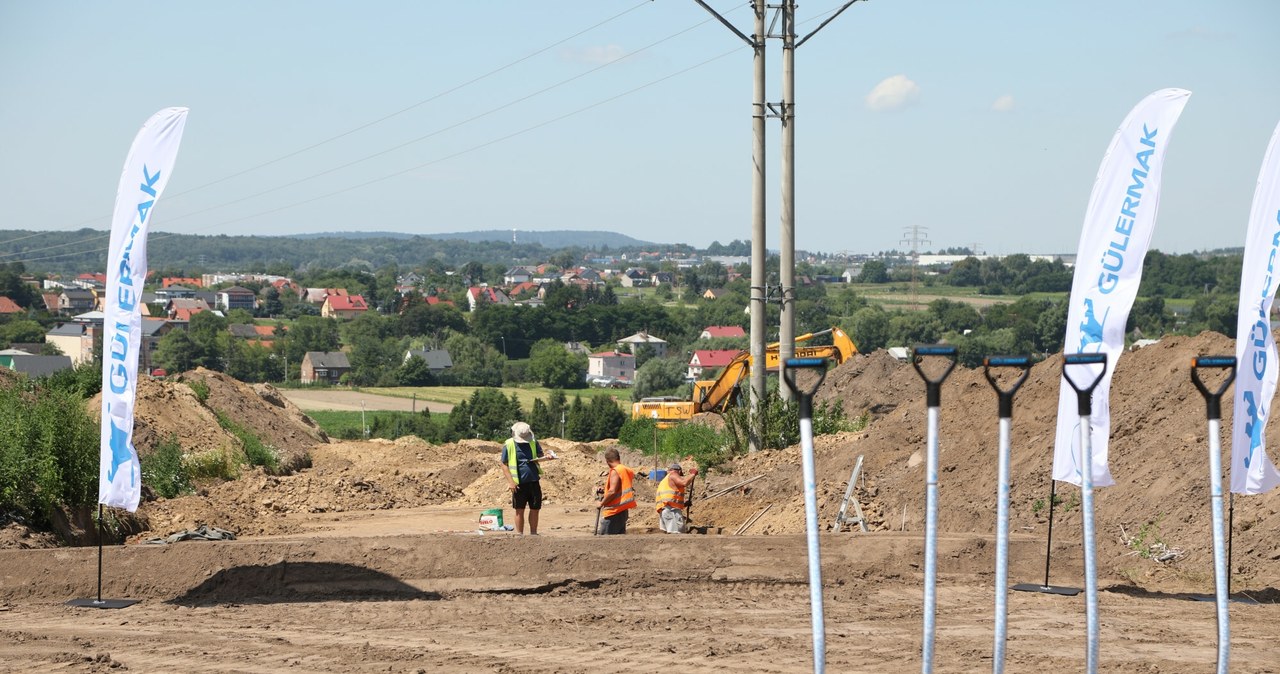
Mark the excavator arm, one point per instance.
(719, 394)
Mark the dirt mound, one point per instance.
(1157, 456)
(171, 409)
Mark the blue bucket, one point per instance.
(657, 475)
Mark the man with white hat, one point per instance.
(522, 456)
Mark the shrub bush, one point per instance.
(165, 471)
(48, 452)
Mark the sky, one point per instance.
(982, 124)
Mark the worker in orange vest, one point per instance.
(618, 498)
(671, 500)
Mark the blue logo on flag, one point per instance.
(1091, 327)
(119, 451)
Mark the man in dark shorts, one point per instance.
(522, 456)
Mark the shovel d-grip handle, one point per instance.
(805, 395)
(1084, 396)
(1213, 399)
(933, 387)
(1006, 395)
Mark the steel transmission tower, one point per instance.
(785, 111)
(915, 236)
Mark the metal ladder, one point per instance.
(843, 519)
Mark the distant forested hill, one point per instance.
(86, 249)
(556, 239)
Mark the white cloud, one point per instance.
(598, 55)
(1003, 104)
(894, 93)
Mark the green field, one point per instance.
(453, 395)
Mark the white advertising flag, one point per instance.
(1251, 469)
(146, 172)
(1113, 243)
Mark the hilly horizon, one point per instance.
(558, 238)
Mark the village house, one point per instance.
(437, 360)
(629, 344)
(709, 360)
(75, 339)
(722, 331)
(611, 366)
(76, 301)
(713, 293)
(477, 295)
(236, 297)
(324, 367)
(343, 306)
(9, 307)
(516, 275)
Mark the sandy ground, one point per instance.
(396, 591)
(350, 401)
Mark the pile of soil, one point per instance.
(169, 408)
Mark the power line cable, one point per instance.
(382, 152)
(366, 125)
(438, 160)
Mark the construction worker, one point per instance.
(618, 497)
(522, 456)
(671, 499)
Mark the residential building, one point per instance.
(236, 297)
(186, 281)
(477, 295)
(708, 360)
(343, 306)
(75, 340)
(629, 344)
(153, 330)
(324, 367)
(438, 360)
(635, 278)
(33, 366)
(516, 275)
(612, 364)
(713, 293)
(9, 307)
(182, 309)
(722, 331)
(662, 277)
(76, 300)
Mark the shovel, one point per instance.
(805, 398)
(1002, 496)
(1213, 412)
(933, 400)
(1084, 403)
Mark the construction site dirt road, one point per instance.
(368, 558)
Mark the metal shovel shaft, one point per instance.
(930, 540)
(1090, 554)
(811, 536)
(1002, 548)
(1219, 545)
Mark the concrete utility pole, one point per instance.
(759, 111)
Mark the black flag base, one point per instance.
(1047, 589)
(99, 602)
(103, 603)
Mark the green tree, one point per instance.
(578, 426)
(659, 376)
(416, 372)
(874, 271)
(870, 329)
(555, 367)
(474, 363)
(175, 352)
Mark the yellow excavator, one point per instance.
(719, 394)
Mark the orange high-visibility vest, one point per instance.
(625, 500)
(668, 495)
